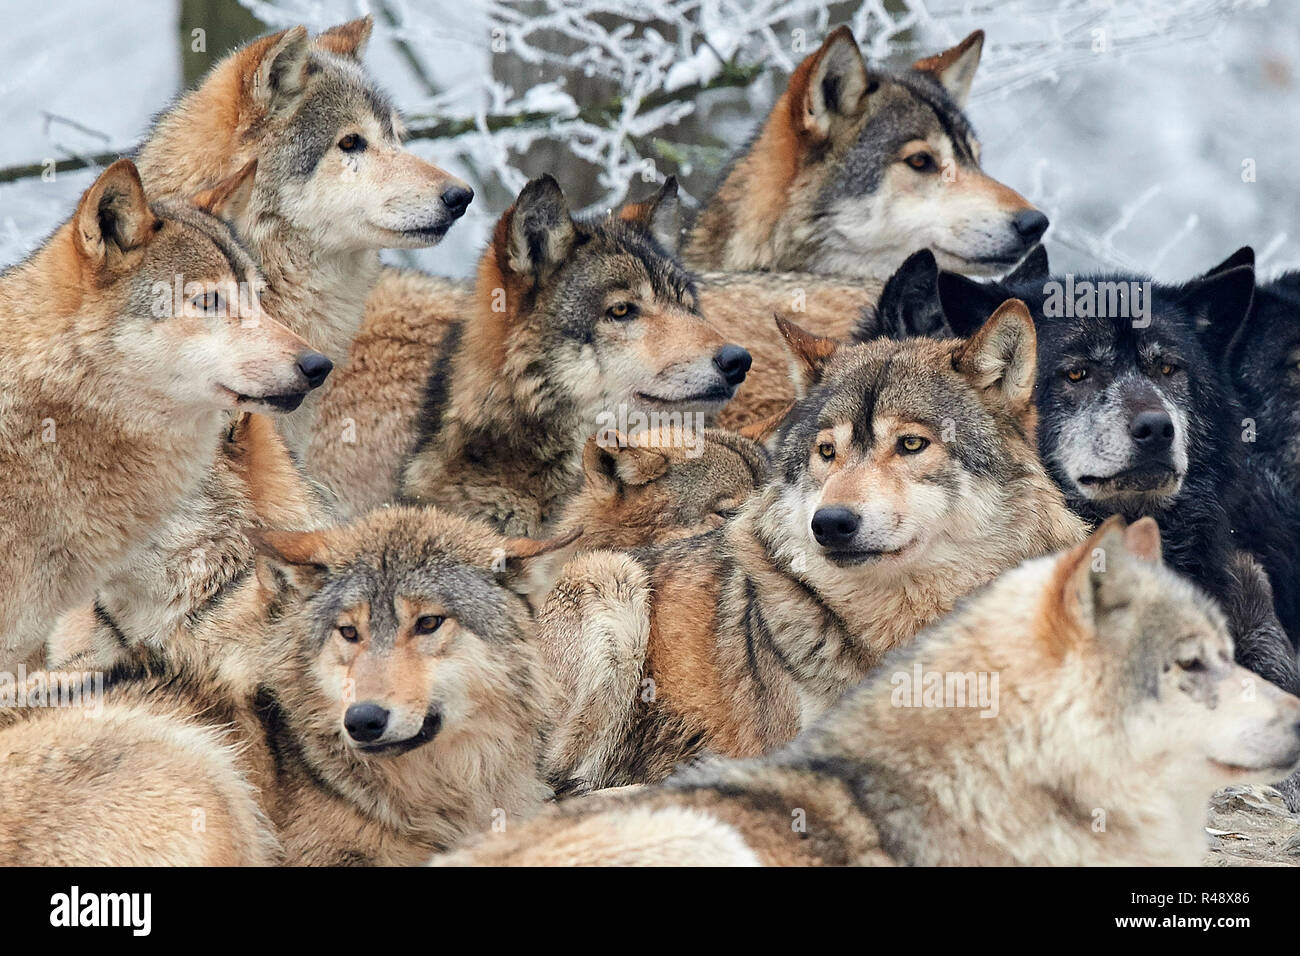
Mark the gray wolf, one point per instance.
(115, 391)
(856, 167)
(904, 477)
(1119, 711)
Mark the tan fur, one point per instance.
(1123, 719)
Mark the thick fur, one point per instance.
(1120, 711)
(856, 167)
(467, 702)
(573, 320)
(316, 214)
(114, 397)
(1207, 499)
(732, 641)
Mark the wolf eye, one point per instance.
(1168, 368)
(208, 302)
(352, 143)
(826, 450)
(922, 162)
(1076, 374)
(428, 623)
(911, 444)
(621, 310)
(349, 633)
(1193, 665)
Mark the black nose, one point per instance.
(834, 527)
(365, 722)
(314, 367)
(1030, 224)
(457, 199)
(733, 362)
(1152, 430)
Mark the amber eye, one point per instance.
(1168, 368)
(352, 143)
(922, 162)
(349, 633)
(1076, 374)
(428, 623)
(826, 450)
(620, 310)
(911, 444)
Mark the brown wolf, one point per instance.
(1117, 710)
(574, 320)
(856, 168)
(904, 478)
(115, 390)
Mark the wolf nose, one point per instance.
(1152, 431)
(834, 527)
(365, 723)
(314, 367)
(1030, 224)
(457, 199)
(733, 362)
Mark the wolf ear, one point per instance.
(1220, 305)
(657, 215)
(763, 429)
(1245, 256)
(612, 460)
(348, 39)
(1002, 356)
(1142, 538)
(277, 72)
(1095, 576)
(909, 304)
(966, 303)
(1032, 268)
(519, 555)
(538, 230)
(809, 354)
(955, 68)
(229, 198)
(828, 86)
(113, 217)
(298, 556)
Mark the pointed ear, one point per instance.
(113, 216)
(1002, 356)
(298, 556)
(955, 68)
(966, 303)
(611, 460)
(657, 215)
(229, 198)
(763, 429)
(1142, 539)
(1220, 305)
(537, 232)
(1245, 256)
(828, 87)
(809, 354)
(348, 39)
(1073, 598)
(519, 559)
(277, 72)
(1032, 268)
(909, 304)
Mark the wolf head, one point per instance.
(656, 481)
(405, 627)
(1130, 399)
(326, 139)
(856, 167)
(176, 297)
(896, 450)
(1159, 655)
(595, 313)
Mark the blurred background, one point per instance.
(1158, 135)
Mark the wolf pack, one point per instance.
(834, 529)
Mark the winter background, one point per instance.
(1158, 135)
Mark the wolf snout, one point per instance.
(315, 368)
(1030, 224)
(1152, 430)
(366, 722)
(835, 527)
(733, 362)
(457, 200)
